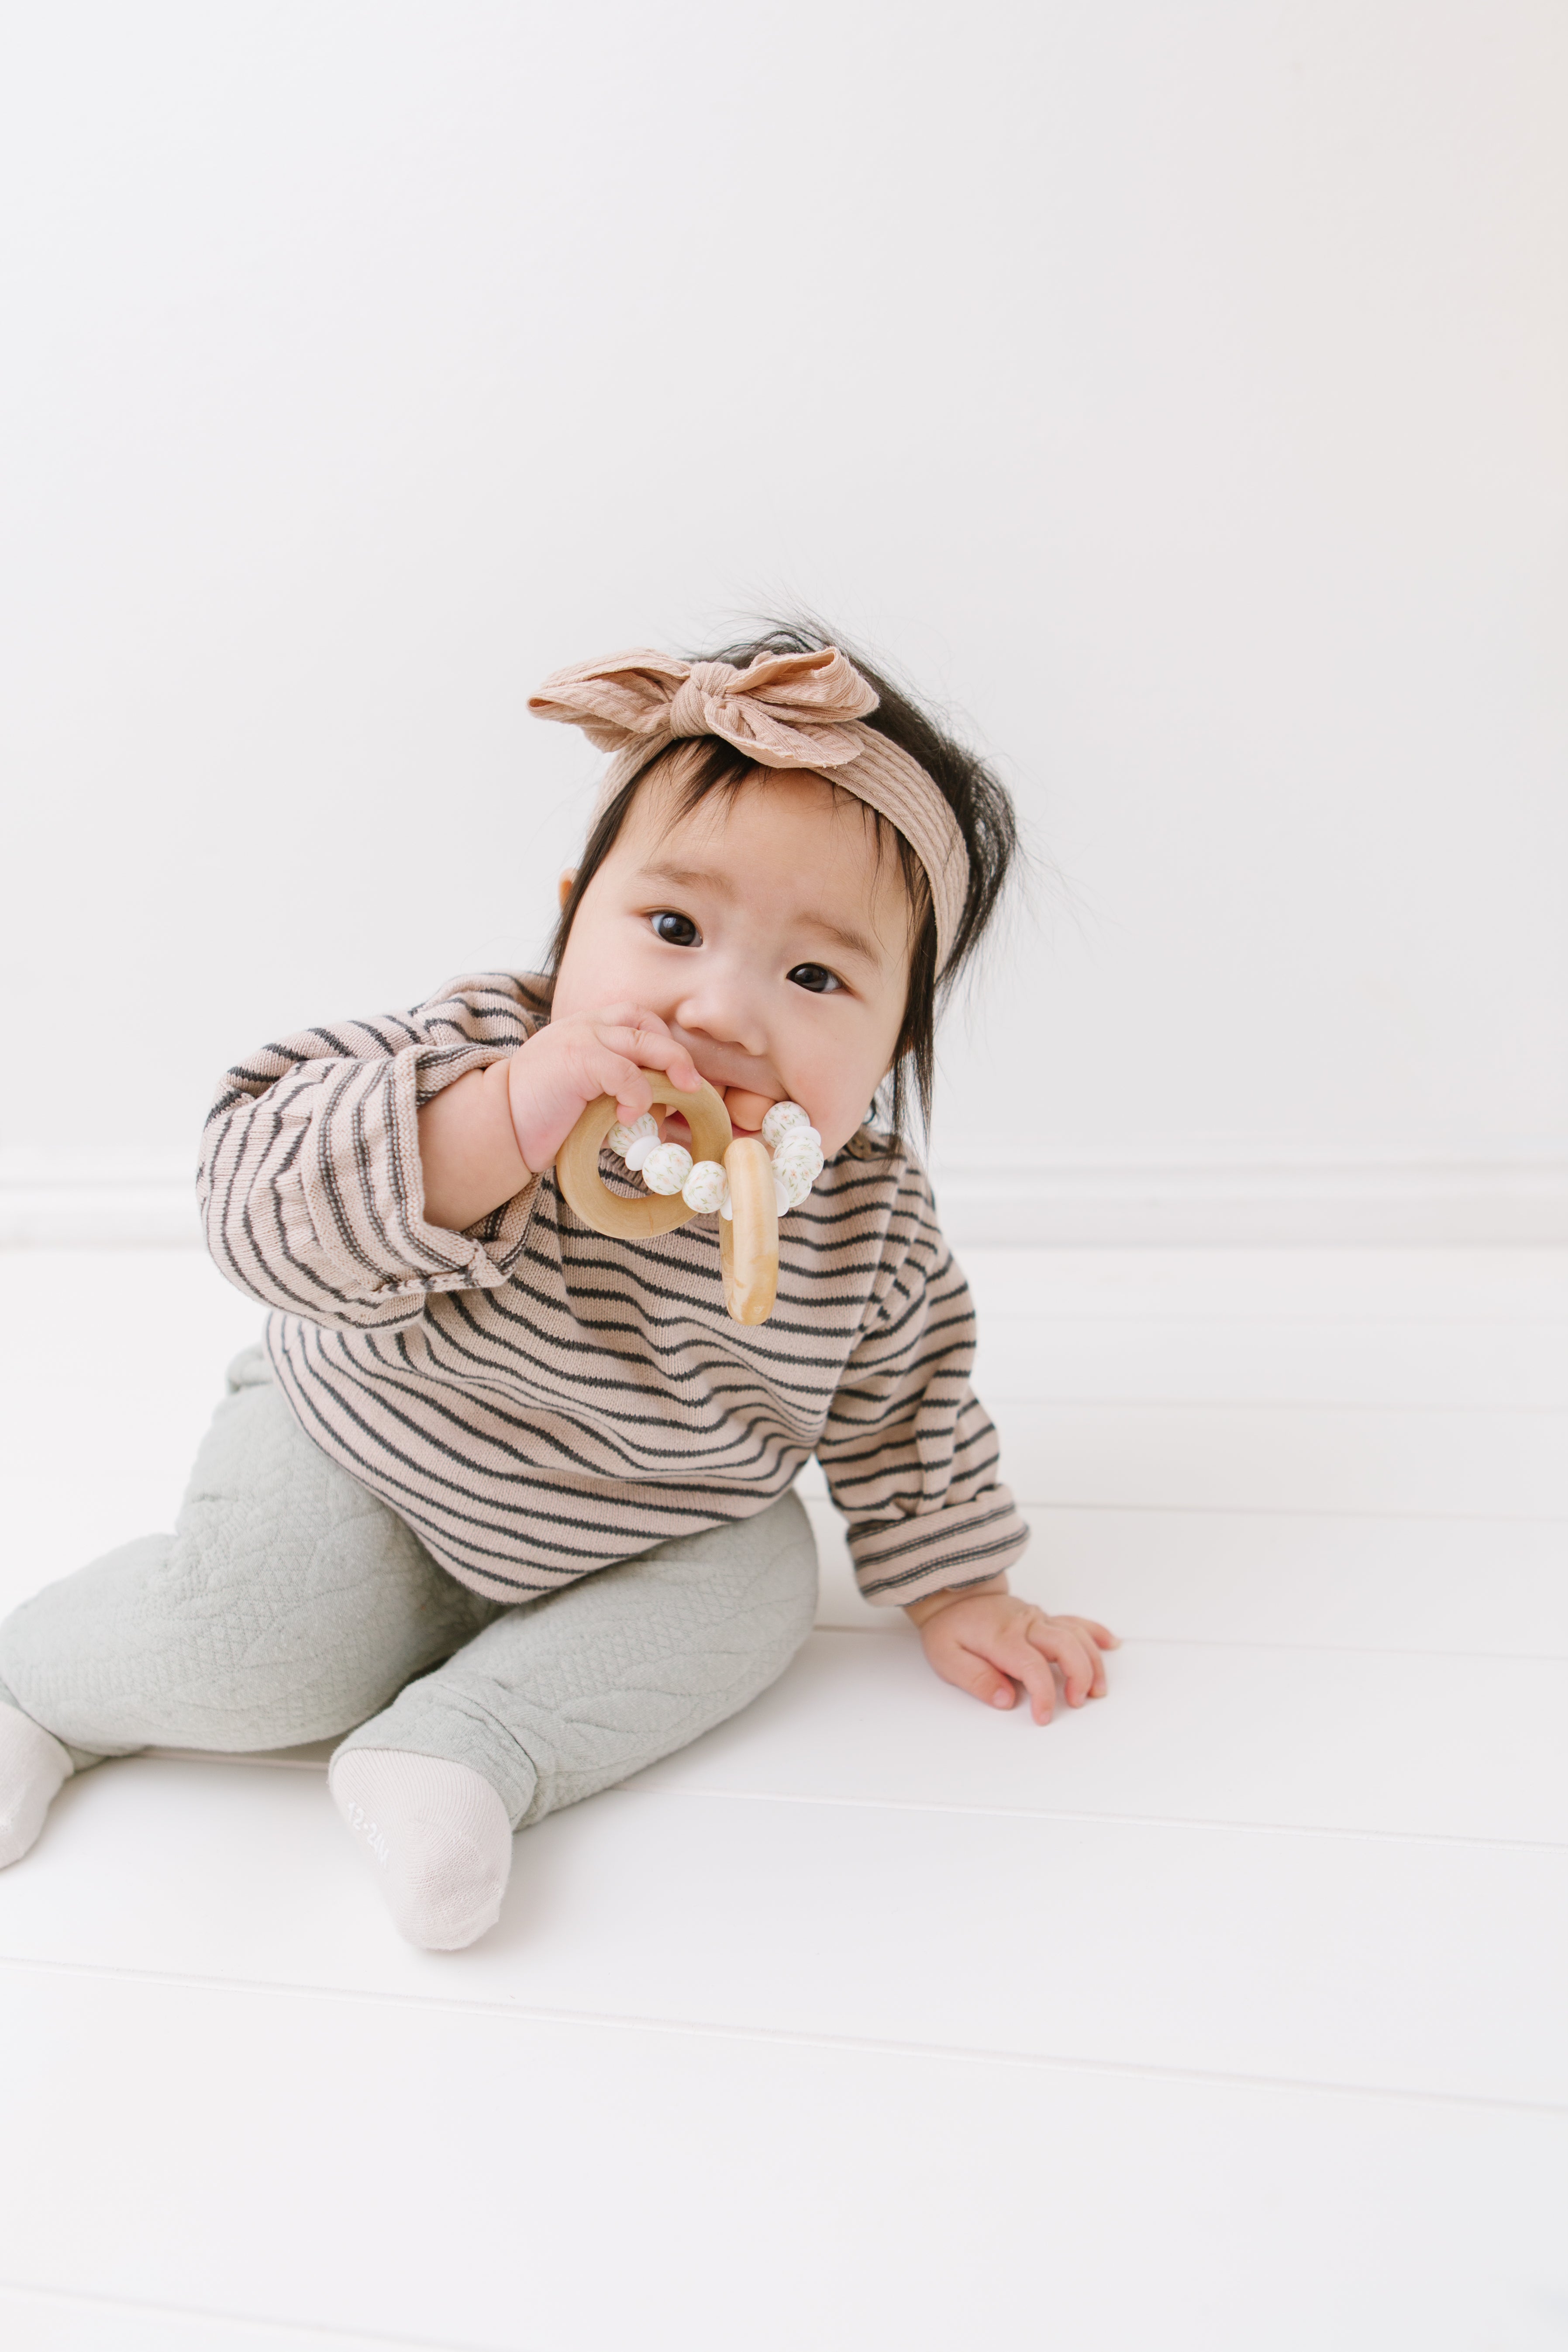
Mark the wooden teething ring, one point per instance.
(748, 1242)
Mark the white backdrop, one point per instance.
(1175, 390)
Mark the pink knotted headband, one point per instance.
(786, 711)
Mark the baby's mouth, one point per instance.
(752, 1109)
(747, 1109)
(675, 1129)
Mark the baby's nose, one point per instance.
(721, 1008)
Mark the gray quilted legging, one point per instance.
(289, 1604)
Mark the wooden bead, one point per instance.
(749, 1239)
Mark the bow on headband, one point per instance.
(785, 710)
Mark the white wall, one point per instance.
(1177, 390)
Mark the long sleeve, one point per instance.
(310, 1186)
(909, 1452)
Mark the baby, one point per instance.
(510, 1503)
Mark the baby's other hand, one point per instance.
(553, 1078)
(987, 1643)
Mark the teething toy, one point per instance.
(735, 1175)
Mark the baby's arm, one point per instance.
(482, 1137)
(309, 1184)
(985, 1640)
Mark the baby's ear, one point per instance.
(563, 887)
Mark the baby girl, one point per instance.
(509, 1503)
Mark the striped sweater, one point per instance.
(537, 1401)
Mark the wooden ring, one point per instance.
(577, 1163)
(747, 1240)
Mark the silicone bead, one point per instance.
(637, 1149)
(707, 1188)
(797, 1175)
(783, 1117)
(665, 1167)
(620, 1136)
(801, 1147)
(794, 1184)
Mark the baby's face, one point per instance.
(765, 930)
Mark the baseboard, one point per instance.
(1517, 1196)
(117, 1200)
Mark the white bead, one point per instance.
(706, 1188)
(637, 1149)
(798, 1175)
(727, 1205)
(782, 1115)
(667, 1167)
(802, 1148)
(795, 1182)
(620, 1136)
(783, 1203)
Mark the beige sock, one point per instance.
(34, 1768)
(439, 1837)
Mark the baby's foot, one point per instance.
(439, 1834)
(33, 1768)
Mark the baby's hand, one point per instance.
(987, 1641)
(551, 1080)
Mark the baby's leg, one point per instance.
(288, 1604)
(564, 1696)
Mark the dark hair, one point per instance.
(978, 801)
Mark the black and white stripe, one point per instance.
(538, 1400)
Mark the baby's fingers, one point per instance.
(646, 1043)
(611, 1060)
(1100, 1635)
(968, 1671)
(617, 1074)
(1015, 1658)
(655, 1052)
(1082, 1667)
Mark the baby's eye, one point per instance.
(816, 977)
(679, 930)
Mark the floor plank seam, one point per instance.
(790, 2038)
(1298, 1511)
(999, 1402)
(1194, 1320)
(73, 2298)
(1093, 1820)
(1288, 1512)
(1286, 1649)
(943, 1805)
(1325, 1649)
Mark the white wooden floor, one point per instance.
(1229, 2013)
